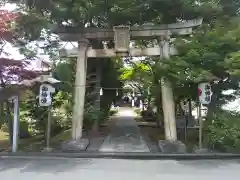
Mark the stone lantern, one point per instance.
(122, 39)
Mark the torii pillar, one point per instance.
(167, 95)
(78, 143)
(80, 88)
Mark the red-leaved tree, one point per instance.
(12, 72)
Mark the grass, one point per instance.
(27, 144)
(113, 111)
(138, 111)
(4, 141)
(35, 143)
(63, 136)
(3, 136)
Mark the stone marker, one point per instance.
(75, 146)
(166, 146)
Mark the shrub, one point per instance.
(222, 132)
(149, 115)
(4, 128)
(138, 111)
(23, 131)
(113, 112)
(91, 114)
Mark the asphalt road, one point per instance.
(116, 169)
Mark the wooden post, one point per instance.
(80, 88)
(200, 120)
(48, 132)
(167, 97)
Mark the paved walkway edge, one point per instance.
(138, 156)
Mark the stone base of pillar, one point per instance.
(201, 151)
(47, 149)
(167, 146)
(75, 145)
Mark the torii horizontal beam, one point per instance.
(138, 32)
(101, 53)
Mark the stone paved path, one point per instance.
(125, 135)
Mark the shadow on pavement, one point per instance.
(42, 165)
(208, 164)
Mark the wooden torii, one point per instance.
(122, 36)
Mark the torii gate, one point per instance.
(122, 36)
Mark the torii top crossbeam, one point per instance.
(136, 32)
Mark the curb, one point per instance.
(138, 156)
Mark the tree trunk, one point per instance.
(190, 107)
(95, 127)
(96, 44)
(10, 122)
(159, 121)
(45, 131)
(149, 101)
(179, 108)
(212, 107)
(2, 117)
